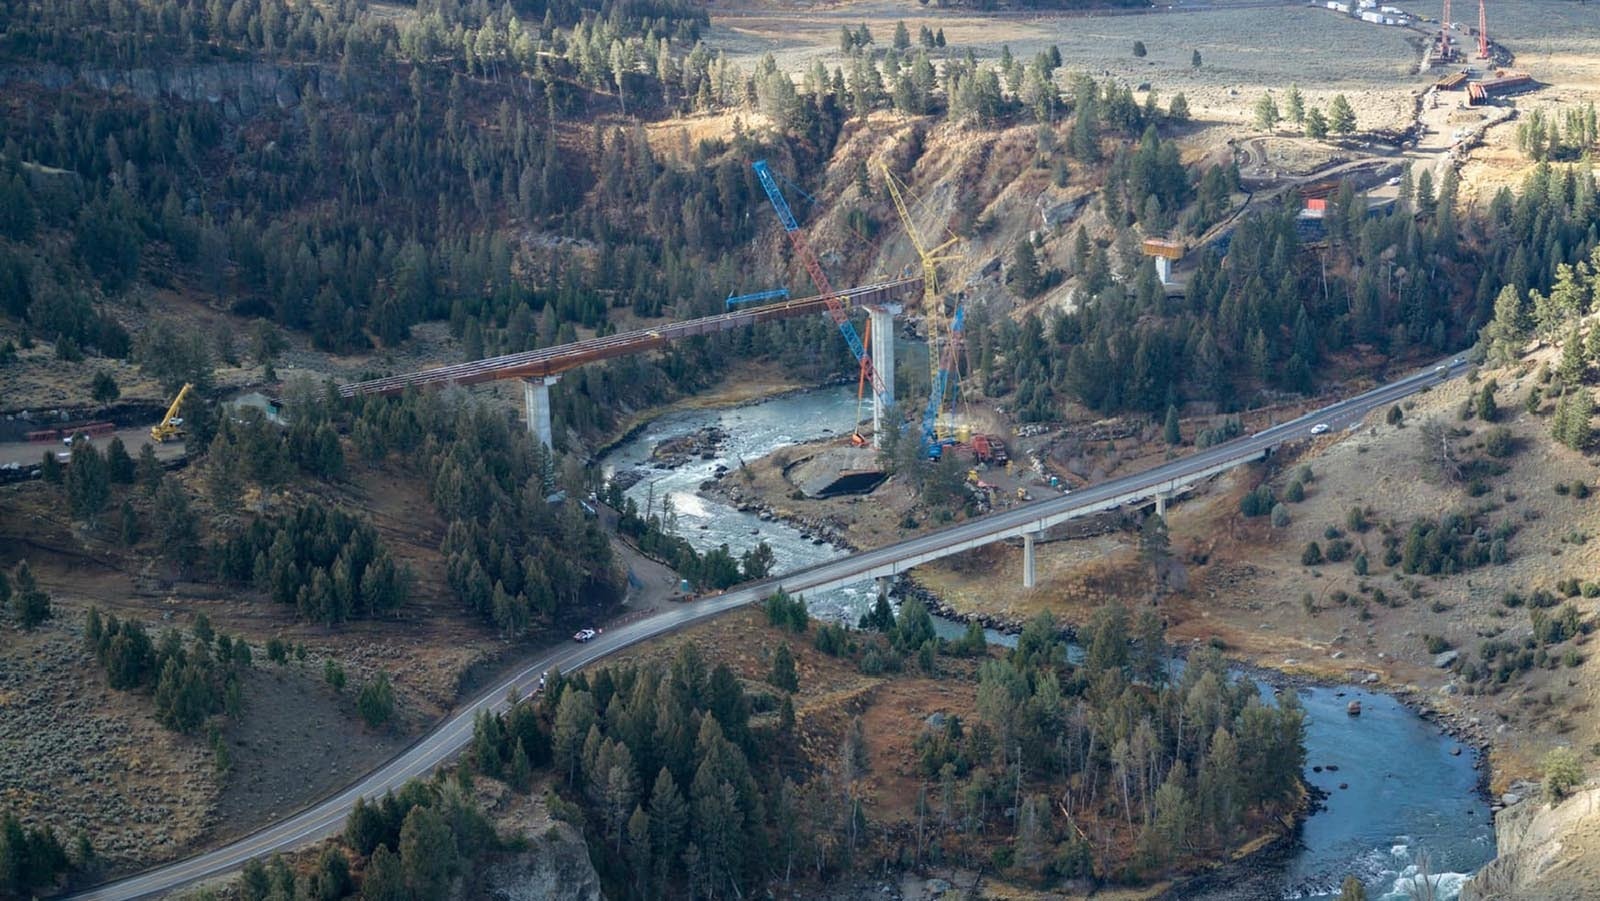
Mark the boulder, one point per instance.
(1445, 659)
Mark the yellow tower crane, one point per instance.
(169, 426)
(932, 300)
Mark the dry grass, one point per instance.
(1245, 51)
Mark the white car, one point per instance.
(583, 635)
(1319, 428)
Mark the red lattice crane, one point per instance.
(1483, 31)
(836, 306)
(1444, 33)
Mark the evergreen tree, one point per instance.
(376, 702)
(88, 481)
(428, 855)
(1171, 432)
(783, 673)
(1506, 334)
(1267, 115)
(119, 465)
(30, 604)
(1024, 271)
(1295, 105)
(1341, 117)
(104, 387)
(1178, 109)
(1316, 124)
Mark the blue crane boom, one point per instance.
(774, 294)
(947, 371)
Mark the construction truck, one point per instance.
(171, 425)
(989, 449)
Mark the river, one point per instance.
(1406, 796)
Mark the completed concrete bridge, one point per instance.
(326, 817)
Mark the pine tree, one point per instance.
(783, 673)
(1316, 124)
(669, 817)
(376, 702)
(1295, 105)
(1341, 117)
(118, 463)
(1171, 432)
(1024, 272)
(30, 604)
(88, 481)
(104, 387)
(1267, 115)
(428, 855)
(1178, 109)
(1506, 334)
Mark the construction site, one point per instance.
(781, 451)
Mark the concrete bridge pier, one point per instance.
(1161, 504)
(1028, 577)
(536, 398)
(882, 351)
(884, 583)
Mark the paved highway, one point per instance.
(327, 817)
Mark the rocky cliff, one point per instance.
(1547, 853)
(554, 867)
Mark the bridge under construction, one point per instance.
(539, 369)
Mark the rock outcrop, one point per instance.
(554, 867)
(1546, 853)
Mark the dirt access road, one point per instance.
(29, 453)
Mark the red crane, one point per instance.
(836, 306)
(1483, 31)
(1444, 33)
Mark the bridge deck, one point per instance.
(553, 360)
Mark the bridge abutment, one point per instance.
(882, 350)
(536, 398)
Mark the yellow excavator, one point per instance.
(170, 426)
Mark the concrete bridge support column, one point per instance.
(1028, 577)
(1164, 270)
(536, 397)
(1161, 504)
(882, 350)
(884, 583)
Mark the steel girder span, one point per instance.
(555, 360)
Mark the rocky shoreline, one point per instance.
(632, 432)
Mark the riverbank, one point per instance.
(748, 385)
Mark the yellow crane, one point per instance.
(170, 425)
(932, 300)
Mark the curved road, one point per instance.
(327, 817)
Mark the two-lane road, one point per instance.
(327, 817)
